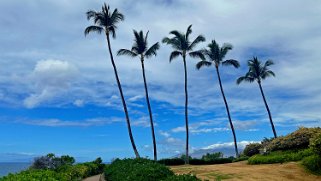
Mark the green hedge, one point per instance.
(195, 161)
(172, 161)
(142, 170)
(280, 157)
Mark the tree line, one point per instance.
(106, 20)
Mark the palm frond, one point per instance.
(116, 17)
(197, 54)
(203, 63)
(112, 31)
(232, 62)
(244, 79)
(188, 31)
(268, 63)
(126, 52)
(91, 14)
(152, 50)
(267, 73)
(198, 39)
(90, 29)
(174, 54)
(176, 33)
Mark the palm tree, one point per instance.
(105, 21)
(140, 49)
(258, 72)
(182, 46)
(215, 54)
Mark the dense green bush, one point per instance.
(315, 144)
(195, 161)
(252, 149)
(51, 161)
(280, 157)
(299, 139)
(241, 158)
(172, 161)
(212, 156)
(313, 163)
(136, 169)
(65, 172)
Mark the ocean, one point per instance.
(11, 167)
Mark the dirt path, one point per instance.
(242, 171)
(95, 178)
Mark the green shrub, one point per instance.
(136, 169)
(184, 177)
(297, 140)
(65, 172)
(195, 161)
(212, 156)
(280, 157)
(252, 149)
(315, 144)
(241, 158)
(313, 164)
(172, 161)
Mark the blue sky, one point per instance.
(58, 92)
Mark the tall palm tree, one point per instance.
(105, 21)
(140, 49)
(215, 55)
(258, 72)
(183, 46)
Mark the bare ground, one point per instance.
(242, 171)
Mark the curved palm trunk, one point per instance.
(228, 112)
(268, 110)
(150, 111)
(122, 98)
(186, 111)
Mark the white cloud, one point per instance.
(201, 127)
(241, 145)
(75, 123)
(50, 78)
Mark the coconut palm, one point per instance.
(215, 56)
(258, 72)
(140, 49)
(105, 22)
(183, 46)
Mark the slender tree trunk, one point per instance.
(228, 112)
(122, 98)
(268, 110)
(150, 111)
(186, 111)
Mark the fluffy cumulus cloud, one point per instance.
(49, 79)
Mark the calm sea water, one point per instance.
(6, 168)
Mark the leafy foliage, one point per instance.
(313, 164)
(252, 149)
(257, 71)
(136, 169)
(196, 161)
(315, 144)
(299, 139)
(50, 161)
(65, 172)
(212, 156)
(172, 161)
(280, 157)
